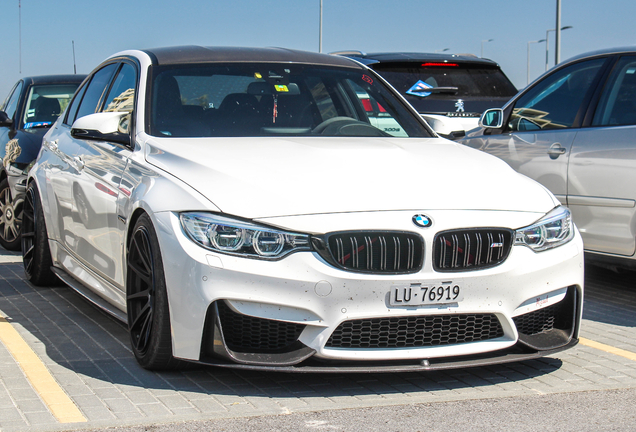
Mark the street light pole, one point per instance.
(557, 43)
(482, 45)
(547, 45)
(20, 34)
(531, 42)
(320, 30)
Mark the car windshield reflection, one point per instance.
(275, 99)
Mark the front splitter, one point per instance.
(391, 367)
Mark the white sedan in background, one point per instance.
(248, 214)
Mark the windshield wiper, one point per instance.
(436, 90)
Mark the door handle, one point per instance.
(556, 150)
(79, 163)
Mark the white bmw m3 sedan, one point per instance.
(237, 207)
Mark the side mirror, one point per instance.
(492, 118)
(5, 121)
(103, 126)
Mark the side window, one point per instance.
(95, 91)
(554, 102)
(71, 114)
(12, 102)
(122, 93)
(617, 105)
(121, 97)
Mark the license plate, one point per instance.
(417, 294)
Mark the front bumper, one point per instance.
(281, 315)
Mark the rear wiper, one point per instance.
(436, 90)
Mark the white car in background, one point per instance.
(252, 216)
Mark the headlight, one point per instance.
(236, 237)
(552, 230)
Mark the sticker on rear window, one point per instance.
(367, 79)
(419, 89)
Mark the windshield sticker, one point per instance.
(367, 79)
(32, 125)
(419, 89)
(257, 75)
(281, 88)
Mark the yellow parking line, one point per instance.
(608, 348)
(57, 401)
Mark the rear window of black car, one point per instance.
(471, 80)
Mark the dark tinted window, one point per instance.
(95, 90)
(274, 99)
(71, 114)
(618, 101)
(469, 80)
(11, 103)
(554, 102)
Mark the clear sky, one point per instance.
(100, 28)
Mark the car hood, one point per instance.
(269, 177)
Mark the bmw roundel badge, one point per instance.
(422, 221)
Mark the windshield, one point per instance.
(275, 99)
(45, 103)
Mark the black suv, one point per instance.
(449, 90)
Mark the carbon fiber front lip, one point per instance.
(425, 365)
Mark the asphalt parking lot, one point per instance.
(65, 365)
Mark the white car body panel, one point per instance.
(446, 125)
(343, 167)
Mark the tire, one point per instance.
(10, 218)
(36, 255)
(147, 300)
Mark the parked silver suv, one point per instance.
(574, 131)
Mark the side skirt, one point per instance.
(90, 295)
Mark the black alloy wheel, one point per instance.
(10, 217)
(147, 300)
(36, 255)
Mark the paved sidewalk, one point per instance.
(87, 353)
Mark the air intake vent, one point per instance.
(473, 249)
(545, 319)
(244, 333)
(374, 251)
(415, 331)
